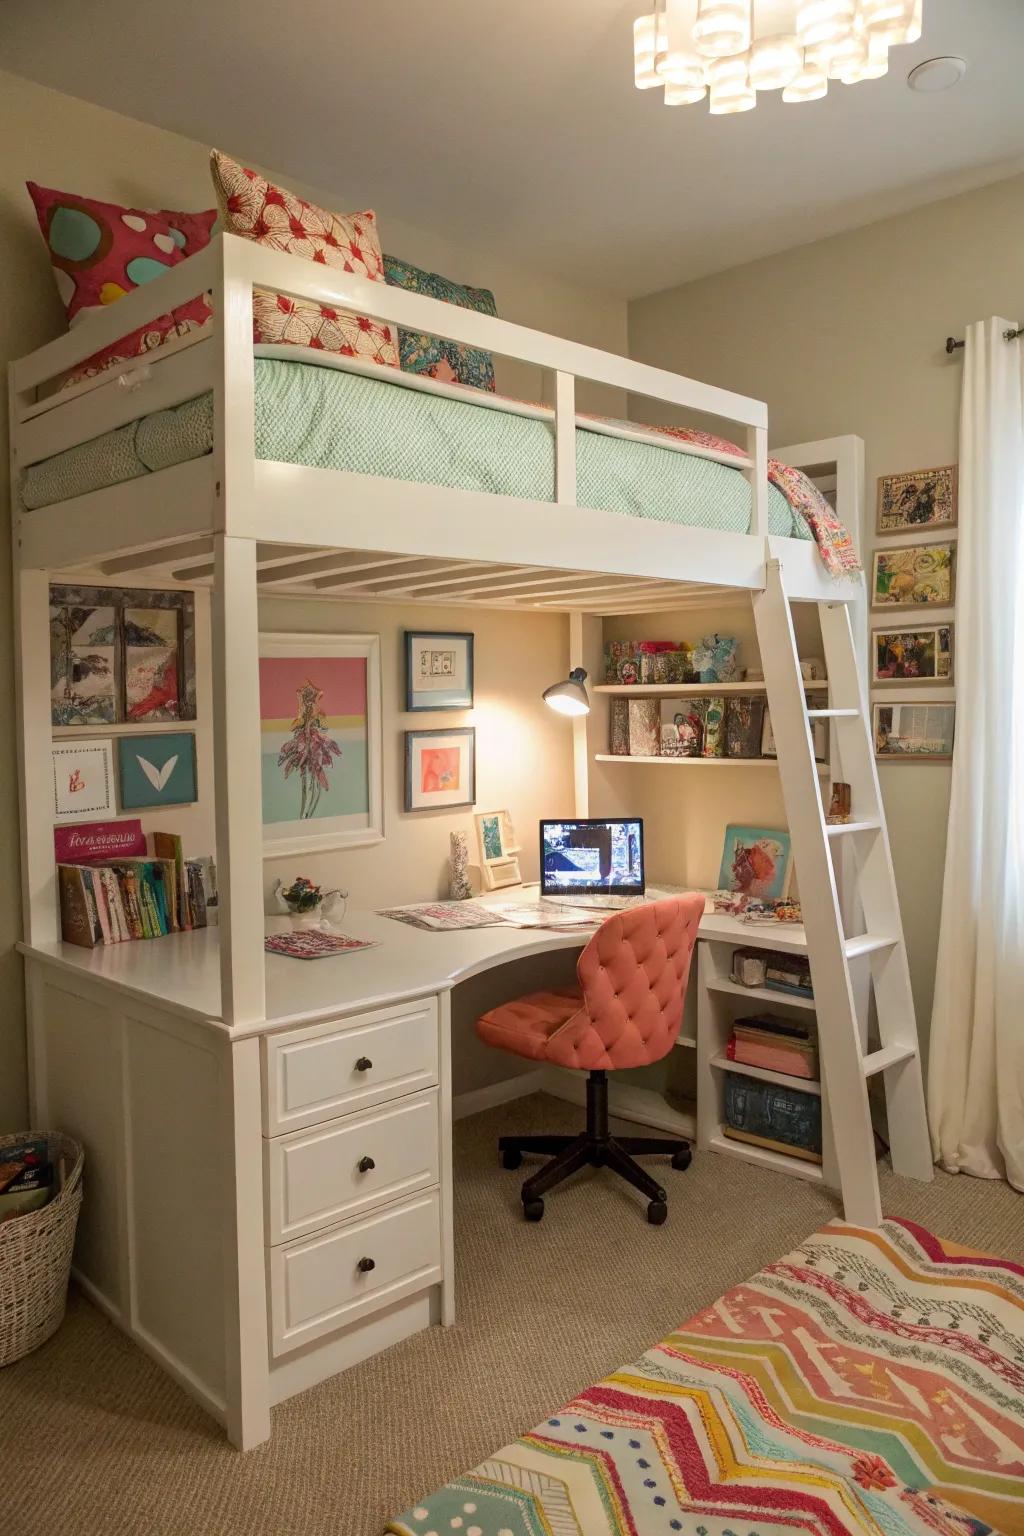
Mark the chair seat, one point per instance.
(525, 1026)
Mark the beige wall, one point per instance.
(66, 143)
(846, 335)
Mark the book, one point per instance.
(100, 899)
(787, 1118)
(314, 944)
(168, 846)
(76, 920)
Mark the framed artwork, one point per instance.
(438, 670)
(320, 742)
(440, 769)
(755, 862)
(83, 779)
(819, 736)
(498, 849)
(914, 733)
(121, 656)
(157, 770)
(924, 498)
(914, 576)
(912, 655)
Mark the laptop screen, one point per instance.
(592, 858)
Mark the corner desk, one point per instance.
(268, 1204)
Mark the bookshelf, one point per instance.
(694, 690)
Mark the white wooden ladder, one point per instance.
(846, 1062)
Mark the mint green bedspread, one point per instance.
(332, 419)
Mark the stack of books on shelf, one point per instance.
(775, 1044)
(140, 897)
(774, 1116)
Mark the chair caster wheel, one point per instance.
(682, 1159)
(511, 1158)
(533, 1210)
(657, 1213)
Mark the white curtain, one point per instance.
(976, 1060)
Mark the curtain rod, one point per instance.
(952, 345)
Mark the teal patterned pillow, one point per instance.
(445, 360)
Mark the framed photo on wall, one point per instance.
(914, 576)
(83, 779)
(440, 769)
(921, 499)
(121, 656)
(438, 670)
(320, 742)
(914, 733)
(157, 770)
(912, 655)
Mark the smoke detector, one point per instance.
(936, 75)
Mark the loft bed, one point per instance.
(231, 499)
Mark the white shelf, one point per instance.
(695, 690)
(781, 1162)
(685, 1043)
(761, 994)
(765, 1075)
(696, 762)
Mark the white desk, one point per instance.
(240, 1181)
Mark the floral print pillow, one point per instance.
(445, 360)
(258, 210)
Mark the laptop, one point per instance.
(596, 864)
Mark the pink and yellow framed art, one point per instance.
(440, 769)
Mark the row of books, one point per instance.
(775, 1044)
(135, 898)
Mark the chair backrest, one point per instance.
(633, 974)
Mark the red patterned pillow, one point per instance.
(101, 251)
(256, 209)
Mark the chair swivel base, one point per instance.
(597, 1148)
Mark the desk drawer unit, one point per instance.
(328, 1281)
(330, 1173)
(347, 1065)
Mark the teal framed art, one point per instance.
(157, 770)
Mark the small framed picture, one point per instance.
(924, 498)
(157, 770)
(819, 736)
(498, 849)
(914, 576)
(914, 733)
(83, 779)
(440, 769)
(438, 670)
(755, 861)
(912, 655)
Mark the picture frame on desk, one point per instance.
(320, 742)
(440, 769)
(438, 670)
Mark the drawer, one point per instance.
(324, 1283)
(316, 1178)
(346, 1065)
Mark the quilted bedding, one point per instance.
(412, 429)
(868, 1382)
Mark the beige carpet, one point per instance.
(96, 1441)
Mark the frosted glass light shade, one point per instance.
(683, 95)
(722, 28)
(724, 104)
(774, 62)
(685, 70)
(824, 21)
(811, 84)
(648, 33)
(903, 27)
(851, 53)
(731, 90)
(873, 67)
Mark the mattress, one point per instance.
(407, 428)
(871, 1383)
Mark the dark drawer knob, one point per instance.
(364, 1064)
(366, 1164)
(365, 1265)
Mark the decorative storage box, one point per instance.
(744, 722)
(618, 727)
(692, 727)
(644, 728)
(771, 1115)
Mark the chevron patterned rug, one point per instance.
(872, 1381)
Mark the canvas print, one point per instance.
(755, 862)
(917, 575)
(121, 656)
(440, 769)
(151, 664)
(924, 498)
(83, 779)
(913, 655)
(438, 670)
(490, 836)
(157, 770)
(914, 732)
(83, 682)
(744, 723)
(320, 741)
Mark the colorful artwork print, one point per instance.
(439, 670)
(914, 732)
(151, 664)
(157, 770)
(83, 779)
(490, 837)
(82, 665)
(924, 498)
(440, 769)
(755, 862)
(918, 575)
(744, 723)
(121, 656)
(913, 655)
(319, 741)
(698, 724)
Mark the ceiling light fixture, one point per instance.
(699, 48)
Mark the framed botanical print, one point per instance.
(914, 576)
(496, 836)
(121, 656)
(320, 742)
(83, 779)
(922, 499)
(440, 769)
(914, 733)
(912, 655)
(438, 670)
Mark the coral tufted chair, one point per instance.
(626, 1012)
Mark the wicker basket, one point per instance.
(35, 1256)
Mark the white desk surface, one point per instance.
(182, 971)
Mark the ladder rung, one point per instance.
(842, 828)
(833, 714)
(866, 944)
(888, 1056)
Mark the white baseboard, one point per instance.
(493, 1094)
(643, 1105)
